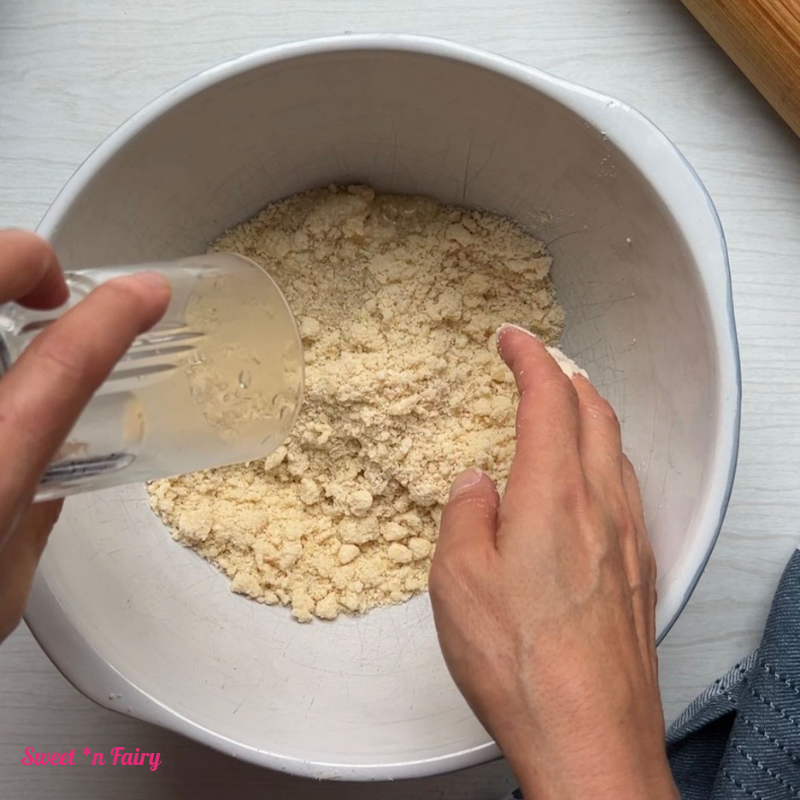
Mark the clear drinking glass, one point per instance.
(218, 381)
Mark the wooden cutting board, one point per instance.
(763, 38)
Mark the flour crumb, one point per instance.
(398, 300)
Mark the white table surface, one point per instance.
(70, 72)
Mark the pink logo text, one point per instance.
(118, 756)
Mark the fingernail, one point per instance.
(466, 480)
(154, 280)
(507, 326)
(510, 326)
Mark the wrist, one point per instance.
(604, 773)
(536, 786)
(659, 789)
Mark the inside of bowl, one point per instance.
(373, 693)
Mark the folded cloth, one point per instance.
(740, 739)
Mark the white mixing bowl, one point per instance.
(142, 625)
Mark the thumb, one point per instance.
(19, 556)
(57, 374)
(469, 519)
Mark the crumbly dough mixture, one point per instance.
(398, 300)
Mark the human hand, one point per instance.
(545, 600)
(44, 392)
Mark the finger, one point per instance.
(634, 496)
(630, 525)
(19, 557)
(600, 435)
(646, 597)
(469, 520)
(45, 391)
(29, 271)
(547, 415)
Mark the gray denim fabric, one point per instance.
(740, 739)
